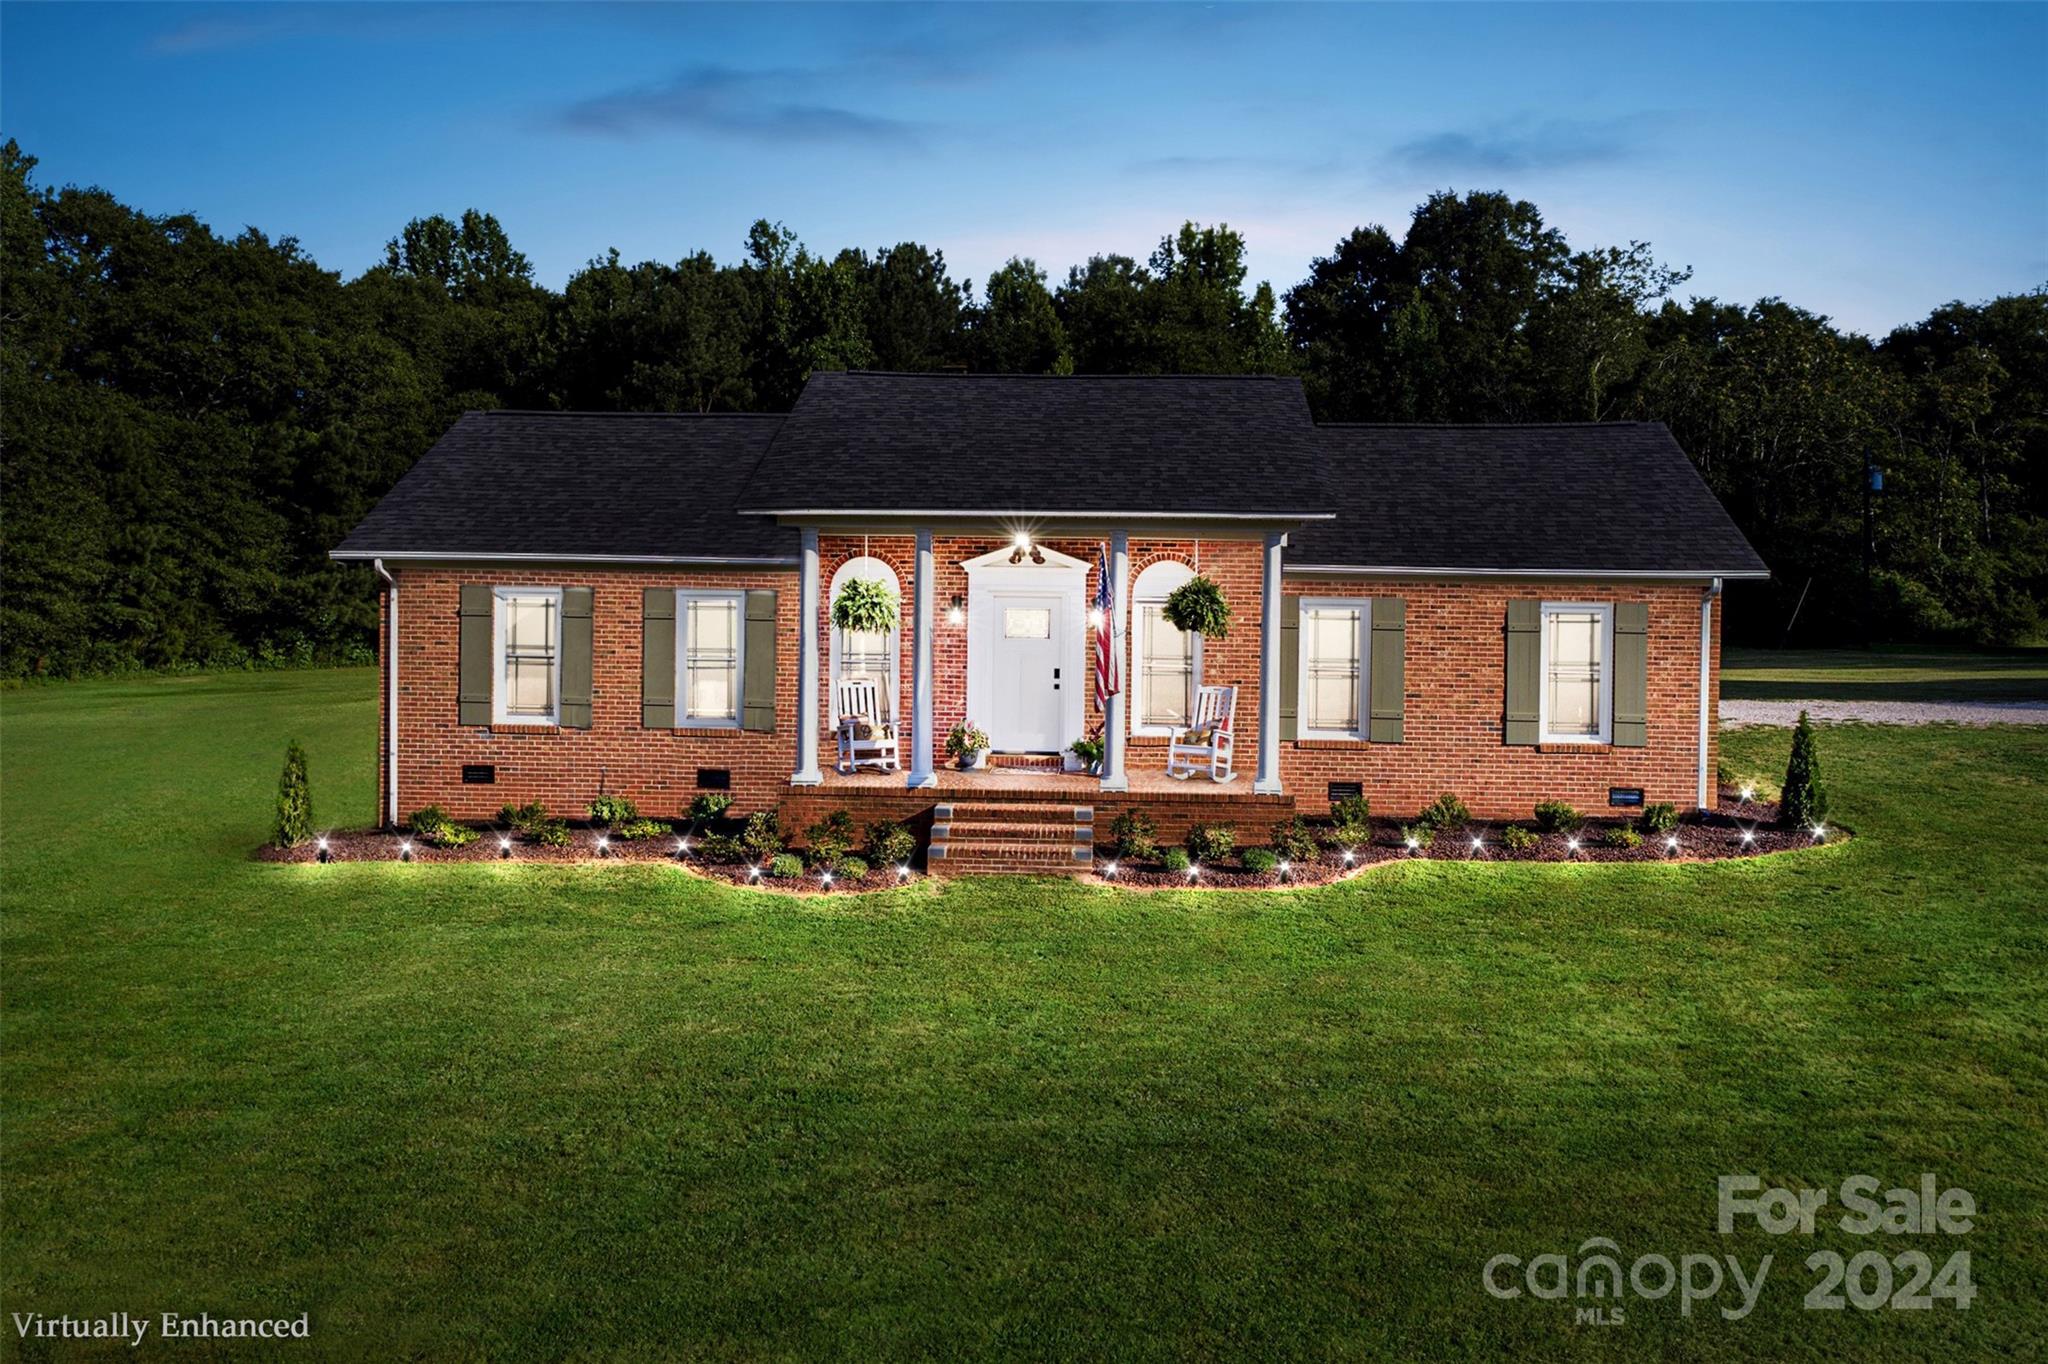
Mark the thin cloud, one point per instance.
(754, 105)
(1549, 145)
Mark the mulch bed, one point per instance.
(1701, 838)
(371, 845)
(1706, 837)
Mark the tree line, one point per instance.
(190, 421)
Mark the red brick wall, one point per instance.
(563, 768)
(1457, 696)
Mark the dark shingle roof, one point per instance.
(1612, 497)
(619, 485)
(1027, 443)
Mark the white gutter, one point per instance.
(1393, 571)
(470, 556)
(1706, 679)
(391, 698)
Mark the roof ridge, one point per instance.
(1009, 374)
(590, 412)
(1480, 426)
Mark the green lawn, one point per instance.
(528, 1112)
(1884, 675)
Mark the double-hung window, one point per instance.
(1577, 679)
(710, 638)
(526, 632)
(1166, 664)
(1334, 636)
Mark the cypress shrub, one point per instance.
(294, 799)
(1805, 800)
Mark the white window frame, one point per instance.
(1605, 698)
(499, 715)
(867, 566)
(683, 718)
(1164, 579)
(1362, 605)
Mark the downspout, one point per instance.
(1707, 599)
(390, 698)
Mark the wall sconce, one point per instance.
(954, 613)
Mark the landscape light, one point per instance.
(1193, 872)
(1749, 835)
(1748, 792)
(405, 851)
(1413, 844)
(903, 871)
(1108, 870)
(320, 850)
(603, 844)
(682, 846)
(753, 873)
(1820, 831)
(1285, 867)
(1350, 856)
(1571, 844)
(1671, 844)
(826, 879)
(1477, 844)
(504, 846)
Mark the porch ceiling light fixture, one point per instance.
(1021, 545)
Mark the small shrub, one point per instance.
(1293, 839)
(432, 826)
(710, 804)
(1174, 859)
(830, 838)
(1517, 839)
(1259, 861)
(1087, 752)
(1198, 607)
(1211, 842)
(612, 811)
(1135, 835)
(522, 818)
(865, 606)
(785, 866)
(549, 833)
(850, 867)
(1558, 817)
(763, 835)
(1423, 836)
(641, 828)
(722, 848)
(890, 843)
(294, 800)
(966, 739)
(1660, 818)
(1621, 836)
(1804, 799)
(1351, 820)
(1447, 813)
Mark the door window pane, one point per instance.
(1027, 622)
(1575, 642)
(1330, 668)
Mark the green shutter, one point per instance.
(1290, 666)
(1389, 677)
(1631, 674)
(473, 690)
(759, 689)
(658, 658)
(1525, 621)
(576, 646)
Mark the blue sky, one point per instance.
(1869, 162)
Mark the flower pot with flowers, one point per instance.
(967, 745)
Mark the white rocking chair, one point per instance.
(1209, 739)
(864, 736)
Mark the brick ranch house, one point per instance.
(640, 604)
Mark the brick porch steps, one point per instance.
(1016, 838)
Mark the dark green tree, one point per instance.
(1805, 799)
(1017, 330)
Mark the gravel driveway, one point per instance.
(1738, 714)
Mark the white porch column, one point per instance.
(1113, 724)
(807, 773)
(923, 588)
(1268, 783)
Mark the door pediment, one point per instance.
(1054, 562)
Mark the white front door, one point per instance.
(1026, 682)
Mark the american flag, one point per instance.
(1107, 682)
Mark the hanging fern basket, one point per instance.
(865, 606)
(1198, 607)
